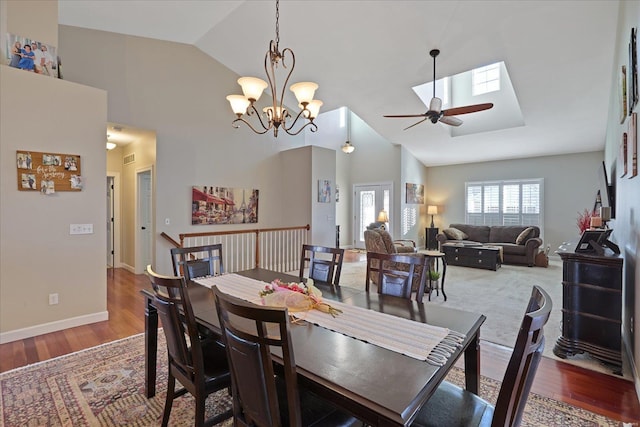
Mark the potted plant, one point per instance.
(434, 275)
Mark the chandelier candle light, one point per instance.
(276, 116)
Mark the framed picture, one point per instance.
(324, 191)
(415, 194)
(31, 55)
(623, 155)
(632, 87)
(632, 146)
(337, 193)
(223, 205)
(623, 94)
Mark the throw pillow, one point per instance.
(524, 236)
(455, 234)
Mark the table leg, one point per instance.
(429, 276)
(150, 347)
(444, 272)
(472, 364)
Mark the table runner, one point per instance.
(414, 339)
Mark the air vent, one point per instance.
(129, 158)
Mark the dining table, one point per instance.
(381, 387)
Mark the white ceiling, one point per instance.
(368, 55)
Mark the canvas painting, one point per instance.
(223, 205)
(415, 194)
(623, 155)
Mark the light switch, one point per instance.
(81, 229)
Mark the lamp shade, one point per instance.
(304, 91)
(314, 108)
(252, 87)
(239, 104)
(432, 210)
(383, 216)
(348, 148)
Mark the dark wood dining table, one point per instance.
(379, 386)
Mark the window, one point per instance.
(485, 79)
(517, 202)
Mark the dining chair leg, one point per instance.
(171, 385)
(200, 412)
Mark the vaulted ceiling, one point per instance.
(367, 55)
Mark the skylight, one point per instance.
(485, 79)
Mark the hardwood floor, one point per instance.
(600, 393)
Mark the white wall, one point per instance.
(413, 216)
(179, 92)
(570, 186)
(37, 254)
(627, 223)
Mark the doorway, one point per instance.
(113, 220)
(144, 219)
(369, 200)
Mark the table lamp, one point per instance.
(383, 217)
(432, 210)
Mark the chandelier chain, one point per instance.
(277, 22)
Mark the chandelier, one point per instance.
(276, 116)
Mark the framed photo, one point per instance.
(632, 146)
(31, 55)
(632, 87)
(597, 236)
(415, 194)
(623, 155)
(623, 94)
(324, 191)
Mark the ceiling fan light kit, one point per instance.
(435, 113)
(276, 116)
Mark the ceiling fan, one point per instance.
(435, 113)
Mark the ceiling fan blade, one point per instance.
(467, 109)
(405, 116)
(415, 124)
(435, 104)
(450, 120)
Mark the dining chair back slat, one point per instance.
(324, 263)
(393, 279)
(197, 261)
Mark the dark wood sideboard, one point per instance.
(591, 308)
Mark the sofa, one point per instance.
(518, 247)
(380, 241)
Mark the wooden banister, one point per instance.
(170, 239)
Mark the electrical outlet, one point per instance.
(53, 299)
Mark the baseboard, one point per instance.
(128, 268)
(45, 328)
(632, 365)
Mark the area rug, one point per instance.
(104, 386)
(502, 297)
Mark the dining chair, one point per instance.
(197, 261)
(260, 397)
(394, 274)
(322, 268)
(454, 406)
(201, 369)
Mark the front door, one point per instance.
(369, 200)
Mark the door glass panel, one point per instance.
(367, 211)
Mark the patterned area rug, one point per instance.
(104, 386)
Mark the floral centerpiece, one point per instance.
(296, 297)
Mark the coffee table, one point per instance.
(487, 257)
